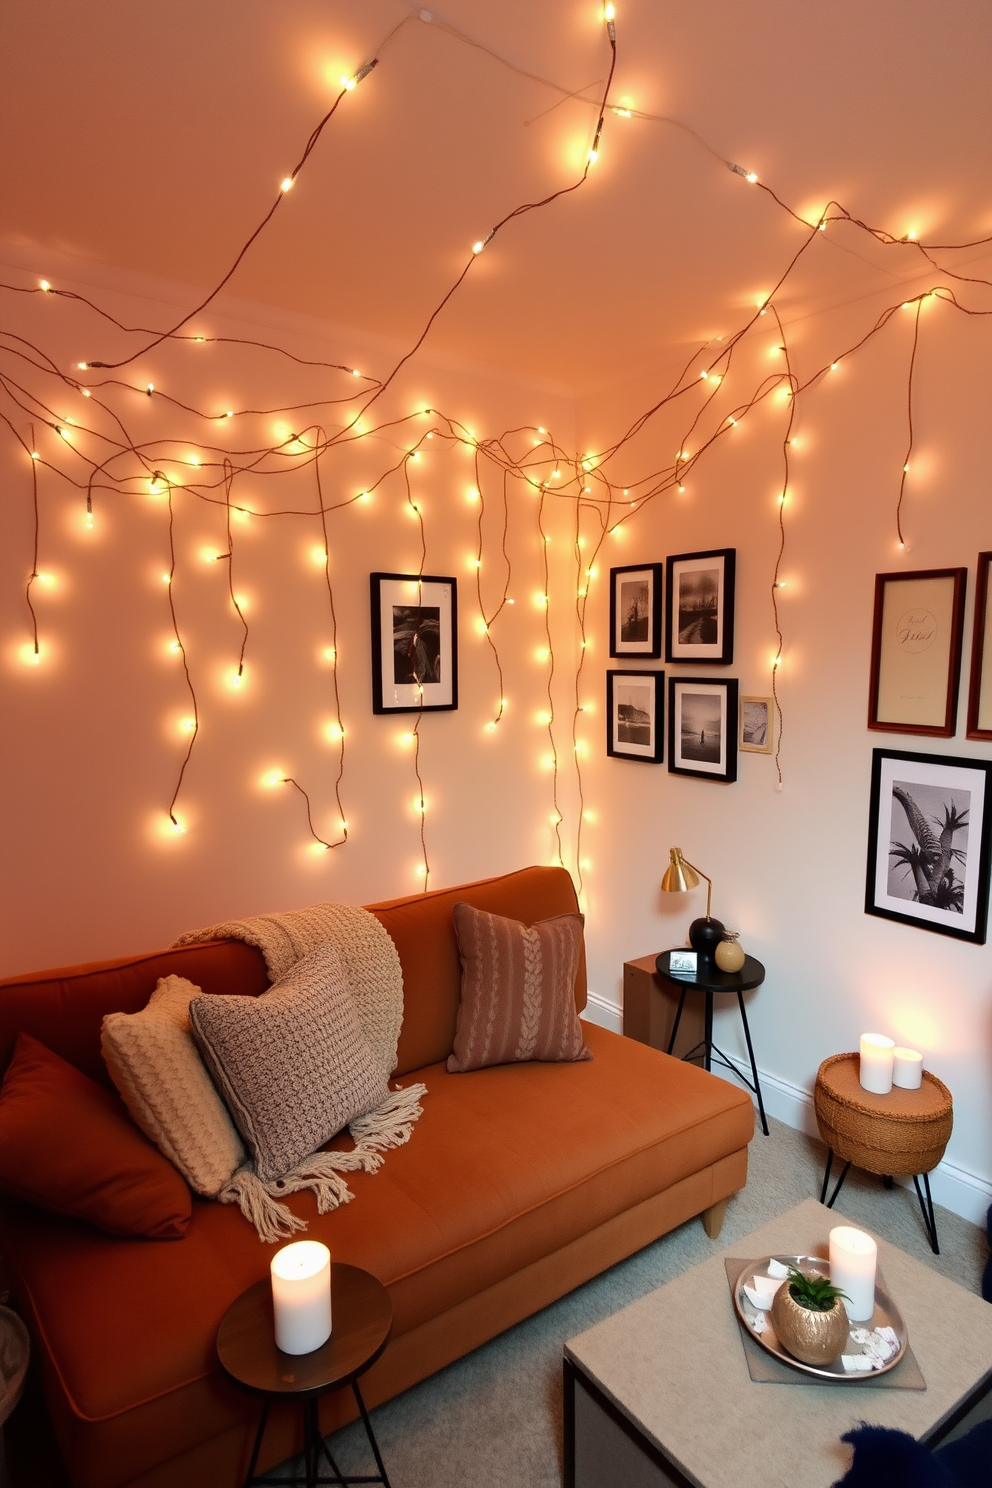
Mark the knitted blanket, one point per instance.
(375, 981)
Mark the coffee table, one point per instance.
(660, 1393)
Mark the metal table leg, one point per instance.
(754, 1067)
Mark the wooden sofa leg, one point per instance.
(713, 1218)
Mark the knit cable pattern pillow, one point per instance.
(518, 990)
(157, 1069)
(294, 1065)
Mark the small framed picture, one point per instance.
(928, 842)
(682, 963)
(916, 651)
(414, 643)
(699, 607)
(635, 610)
(757, 724)
(702, 727)
(980, 692)
(635, 716)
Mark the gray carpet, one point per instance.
(494, 1418)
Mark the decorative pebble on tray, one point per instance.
(879, 1345)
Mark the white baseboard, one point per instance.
(956, 1188)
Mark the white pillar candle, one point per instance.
(876, 1063)
(907, 1069)
(852, 1269)
(301, 1296)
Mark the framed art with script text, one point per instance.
(916, 651)
(635, 716)
(980, 692)
(702, 727)
(699, 607)
(414, 643)
(928, 842)
(635, 610)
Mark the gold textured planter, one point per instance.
(816, 1338)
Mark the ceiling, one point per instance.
(154, 137)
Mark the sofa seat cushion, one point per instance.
(507, 1165)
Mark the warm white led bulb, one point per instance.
(286, 183)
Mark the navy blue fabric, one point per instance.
(987, 1278)
(894, 1459)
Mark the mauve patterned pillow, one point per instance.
(518, 990)
(293, 1065)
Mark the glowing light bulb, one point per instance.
(86, 392)
(150, 389)
(35, 455)
(187, 725)
(229, 413)
(45, 285)
(235, 680)
(834, 366)
(478, 246)
(329, 653)
(272, 778)
(286, 184)
(751, 178)
(608, 12)
(318, 555)
(81, 366)
(473, 494)
(365, 496)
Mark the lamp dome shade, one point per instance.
(679, 876)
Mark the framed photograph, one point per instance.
(757, 725)
(980, 692)
(635, 610)
(916, 651)
(702, 727)
(635, 716)
(699, 607)
(928, 842)
(414, 643)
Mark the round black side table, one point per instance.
(709, 979)
(362, 1317)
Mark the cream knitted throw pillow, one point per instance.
(157, 1068)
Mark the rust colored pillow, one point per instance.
(68, 1145)
(518, 990)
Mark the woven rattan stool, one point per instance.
(900, 1134)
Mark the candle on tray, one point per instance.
(907, 1069)
(852, 1269)
(876, 1063)
(301, 1296)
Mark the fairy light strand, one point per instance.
(185, 660)
(909, 420)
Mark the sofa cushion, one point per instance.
(68, 1146)
(518, 990)
(293, 1065)
(510, 1164)
(156, 1066)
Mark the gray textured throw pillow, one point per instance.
(293, 1065)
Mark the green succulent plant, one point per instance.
(815, 1293)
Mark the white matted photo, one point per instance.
(635, 610)
(928, 842)
(635, 716)
(757, 726)
(414, 643)
(702, 728)
(699, 607)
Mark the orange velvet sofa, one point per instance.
(520, 1182)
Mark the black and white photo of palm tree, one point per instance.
(414, 634)
(416, 643)
(929, 842)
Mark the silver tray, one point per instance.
(886, 1315)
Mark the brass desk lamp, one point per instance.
(704, 934)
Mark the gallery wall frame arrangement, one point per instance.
(699, 607)
(635, 610)
(979, 724)
(916, 638)
(702, 727)
(635, 716)
(414, 628)
(757, 724)
(929, 830)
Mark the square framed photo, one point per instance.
(635, 610)
(757, 725)
(980, 691)
(928, 842)
(702, 727)
(916, 651)
(635, 716)
(414, 643)
(699, 607)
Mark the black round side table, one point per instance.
(709, 979)
(362, 1317)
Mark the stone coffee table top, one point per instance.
(674, 1364)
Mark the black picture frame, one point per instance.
(707, 706)
(635, 610)
(635, 716)
(699, 607)
(414, 625)
(916, 635)
(915, 853)
(979, 724)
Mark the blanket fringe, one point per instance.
(390, 1124)
(272, 1220)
